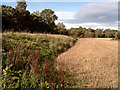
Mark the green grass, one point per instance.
(29, 60)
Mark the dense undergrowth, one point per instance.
(29, 60)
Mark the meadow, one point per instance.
(37, 52)
(29, 60)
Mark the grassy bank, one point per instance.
(29, 60)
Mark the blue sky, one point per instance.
(75, 14)
(56, 6)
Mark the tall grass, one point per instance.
(29, 61)
(30, 70)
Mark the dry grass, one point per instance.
(93, 62)
(49, 35)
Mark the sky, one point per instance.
(75, 14)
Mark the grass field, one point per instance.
(29, 60)
(93, 62)
(39, 60)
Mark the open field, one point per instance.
(57, 47)
(92, 62)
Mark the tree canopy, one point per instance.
(21, 5)
(48, 16)
(20, 19)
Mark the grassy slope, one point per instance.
(47, 43)
(19, 48)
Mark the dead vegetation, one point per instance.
(92, 62)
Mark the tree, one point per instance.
(89, 33)
(108, 33)
(8, 17)
(61, 28)
(36, 13)
(98, 33)
(117, 35)
(23, 16)
(89, 29)
(48, 16)
(21, 5)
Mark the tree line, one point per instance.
(91, 33)
(19, 19)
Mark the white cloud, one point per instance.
(98, 12)
(112, 1)
(98, 25)
(95, 15)
(68, 25)
(101, 17)
(65, 15)
(90, 25)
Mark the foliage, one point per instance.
(20, 19)
(61, 29)
(117, 36)
(48, 16)
(29, 60)
(21, 5)
(91, 33)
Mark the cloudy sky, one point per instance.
(74, 14)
